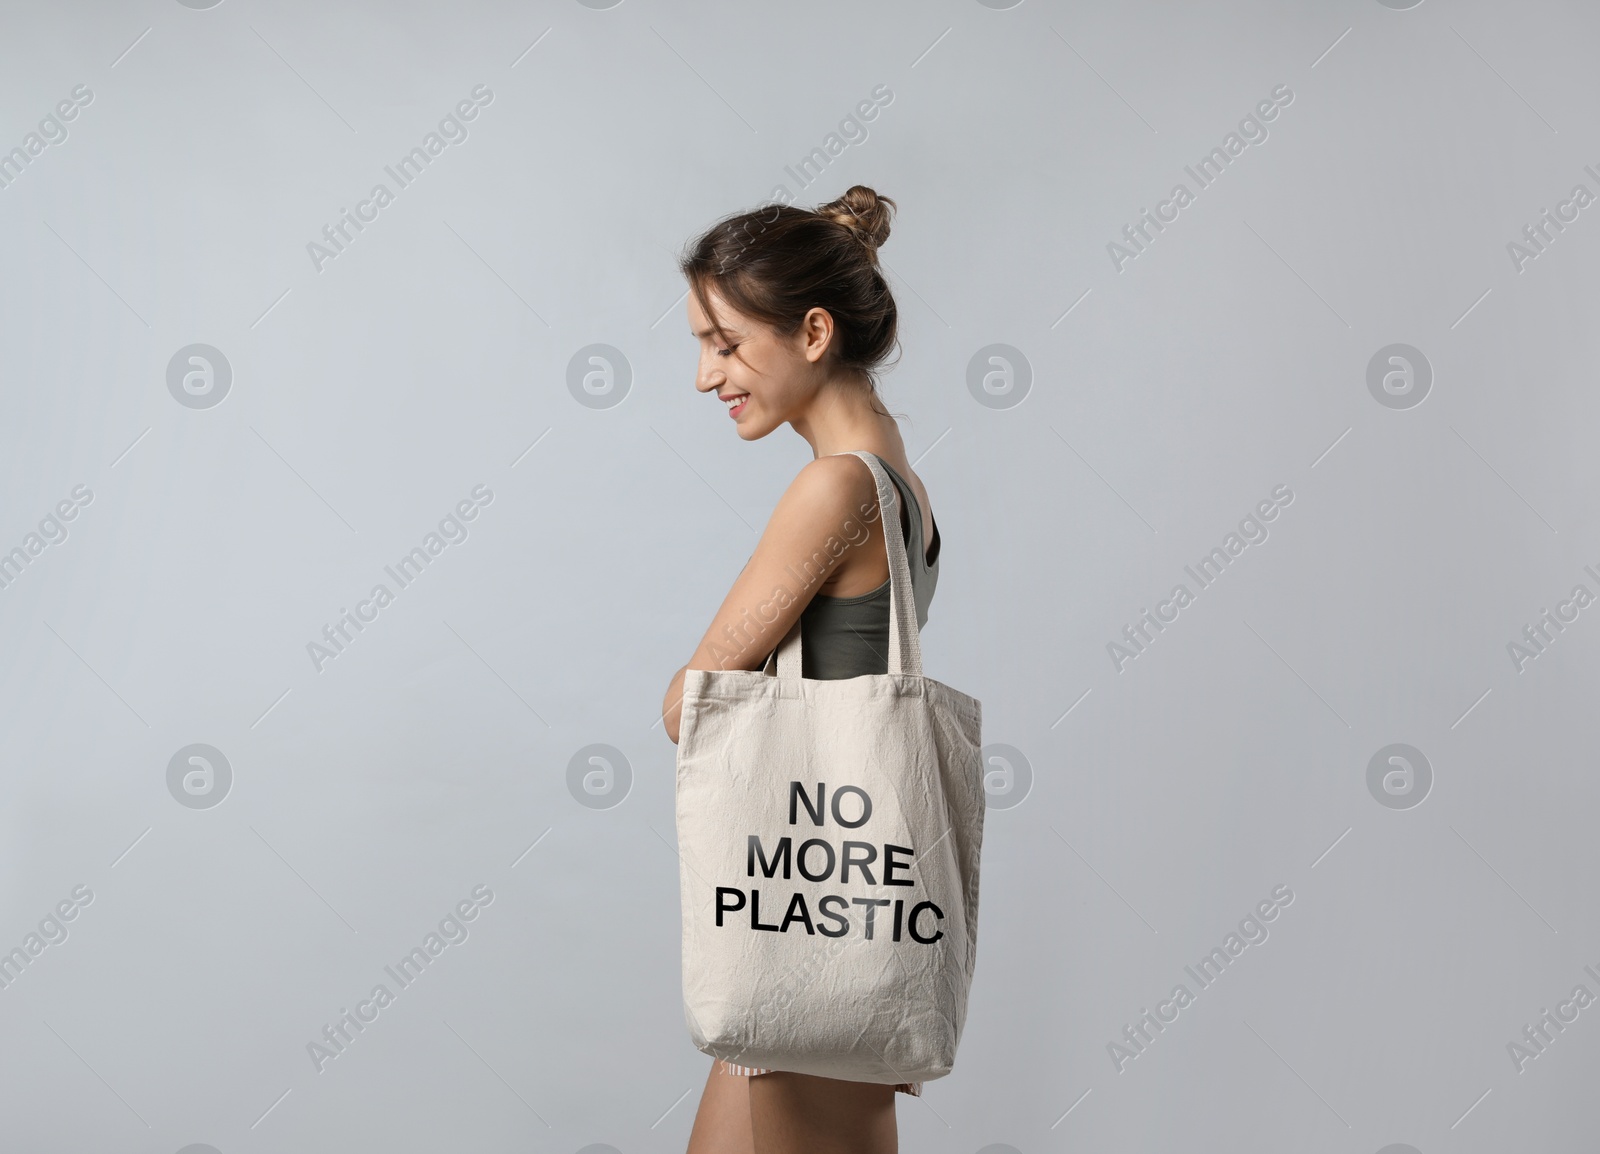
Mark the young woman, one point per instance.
(794, 318)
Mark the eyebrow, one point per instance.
(709, 331)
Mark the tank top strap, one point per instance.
(912, 532)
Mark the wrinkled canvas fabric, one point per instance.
(829, 835)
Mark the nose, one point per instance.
(709, 375)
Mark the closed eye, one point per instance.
(727, 352)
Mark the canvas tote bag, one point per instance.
(828, 841)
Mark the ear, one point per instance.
(816, 334)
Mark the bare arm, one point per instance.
(830, 508)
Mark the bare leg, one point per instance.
(722, 1123)
(803, 1114)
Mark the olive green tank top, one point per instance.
(849, 636)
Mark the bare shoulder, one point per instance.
(840, 484)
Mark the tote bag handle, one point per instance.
(905, 646)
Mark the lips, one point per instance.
(738, 402)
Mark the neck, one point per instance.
(841, 418)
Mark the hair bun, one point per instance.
(864, 213)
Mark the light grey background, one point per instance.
(1167, 400)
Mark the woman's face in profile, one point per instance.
(769, 378)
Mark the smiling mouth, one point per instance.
(736, 403)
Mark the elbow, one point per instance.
(672, 706)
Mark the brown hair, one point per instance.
(777, 263)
